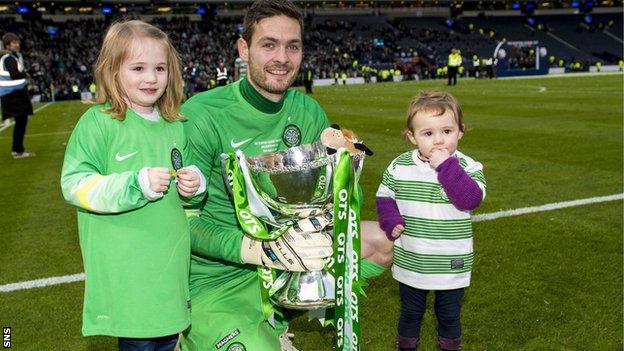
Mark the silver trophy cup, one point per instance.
(296, 183)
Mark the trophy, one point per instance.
(283, 187)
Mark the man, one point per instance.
(475, 66)
(308, 78)
(240, 68)
(222, 75)
(454, 61)
(489, 67)
(256, 114)
(15, 104)
(189, 74)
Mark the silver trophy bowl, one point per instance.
(298, 178)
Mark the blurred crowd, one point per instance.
(59, 55)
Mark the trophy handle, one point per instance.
(358, 165)
(226, 178)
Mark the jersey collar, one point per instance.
(255, 99)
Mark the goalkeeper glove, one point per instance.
(303, 247)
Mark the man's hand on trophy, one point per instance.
(303, 247)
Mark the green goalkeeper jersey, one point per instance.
(221, 121)
(135, 252)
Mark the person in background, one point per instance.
(16, 103)
(189, 75)
(222, 75)
(240, 70)
(308, 78)
(454, 61)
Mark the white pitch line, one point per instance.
(547, 207)
(30, 284)
(41, 134)
(613, 36)
(42, 107)
(562, 75)
(35, 111)
(5, 126)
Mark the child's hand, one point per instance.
(188, 182)
(438, 156)
(398, 230)
(158, 179)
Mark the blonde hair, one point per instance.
(115, 47)
(437, 103)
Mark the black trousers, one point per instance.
(165, 343)
(18, 133)
(447, 310)
(452, 75)
(308, 86)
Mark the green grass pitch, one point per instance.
(543, 281)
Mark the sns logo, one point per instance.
(250, 221)
(6, 337)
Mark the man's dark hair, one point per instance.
(262, 9)
(8, 38)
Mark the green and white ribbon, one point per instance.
(267, 279)
(346, 262)
(248, 208)
(252, 213)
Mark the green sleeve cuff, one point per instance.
(370, 269)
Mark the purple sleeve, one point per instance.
(389, 215)
(463, 191)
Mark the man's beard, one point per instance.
(258, 76)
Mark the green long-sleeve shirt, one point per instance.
(221, 121)
(135, 251)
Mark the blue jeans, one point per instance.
(165, 343)
(447, 309)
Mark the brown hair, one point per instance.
(116, 44)
(262, 9)
(437, 103)
(8, 38)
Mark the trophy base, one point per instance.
(306, 291)
(305, 306)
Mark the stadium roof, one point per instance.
(70, 7)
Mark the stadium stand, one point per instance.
(60, 52)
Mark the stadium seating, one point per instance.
(61, 53)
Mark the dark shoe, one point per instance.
(406, 343)
(449, 344)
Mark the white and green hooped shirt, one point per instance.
(435, 251)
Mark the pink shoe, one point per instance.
(24, 154)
